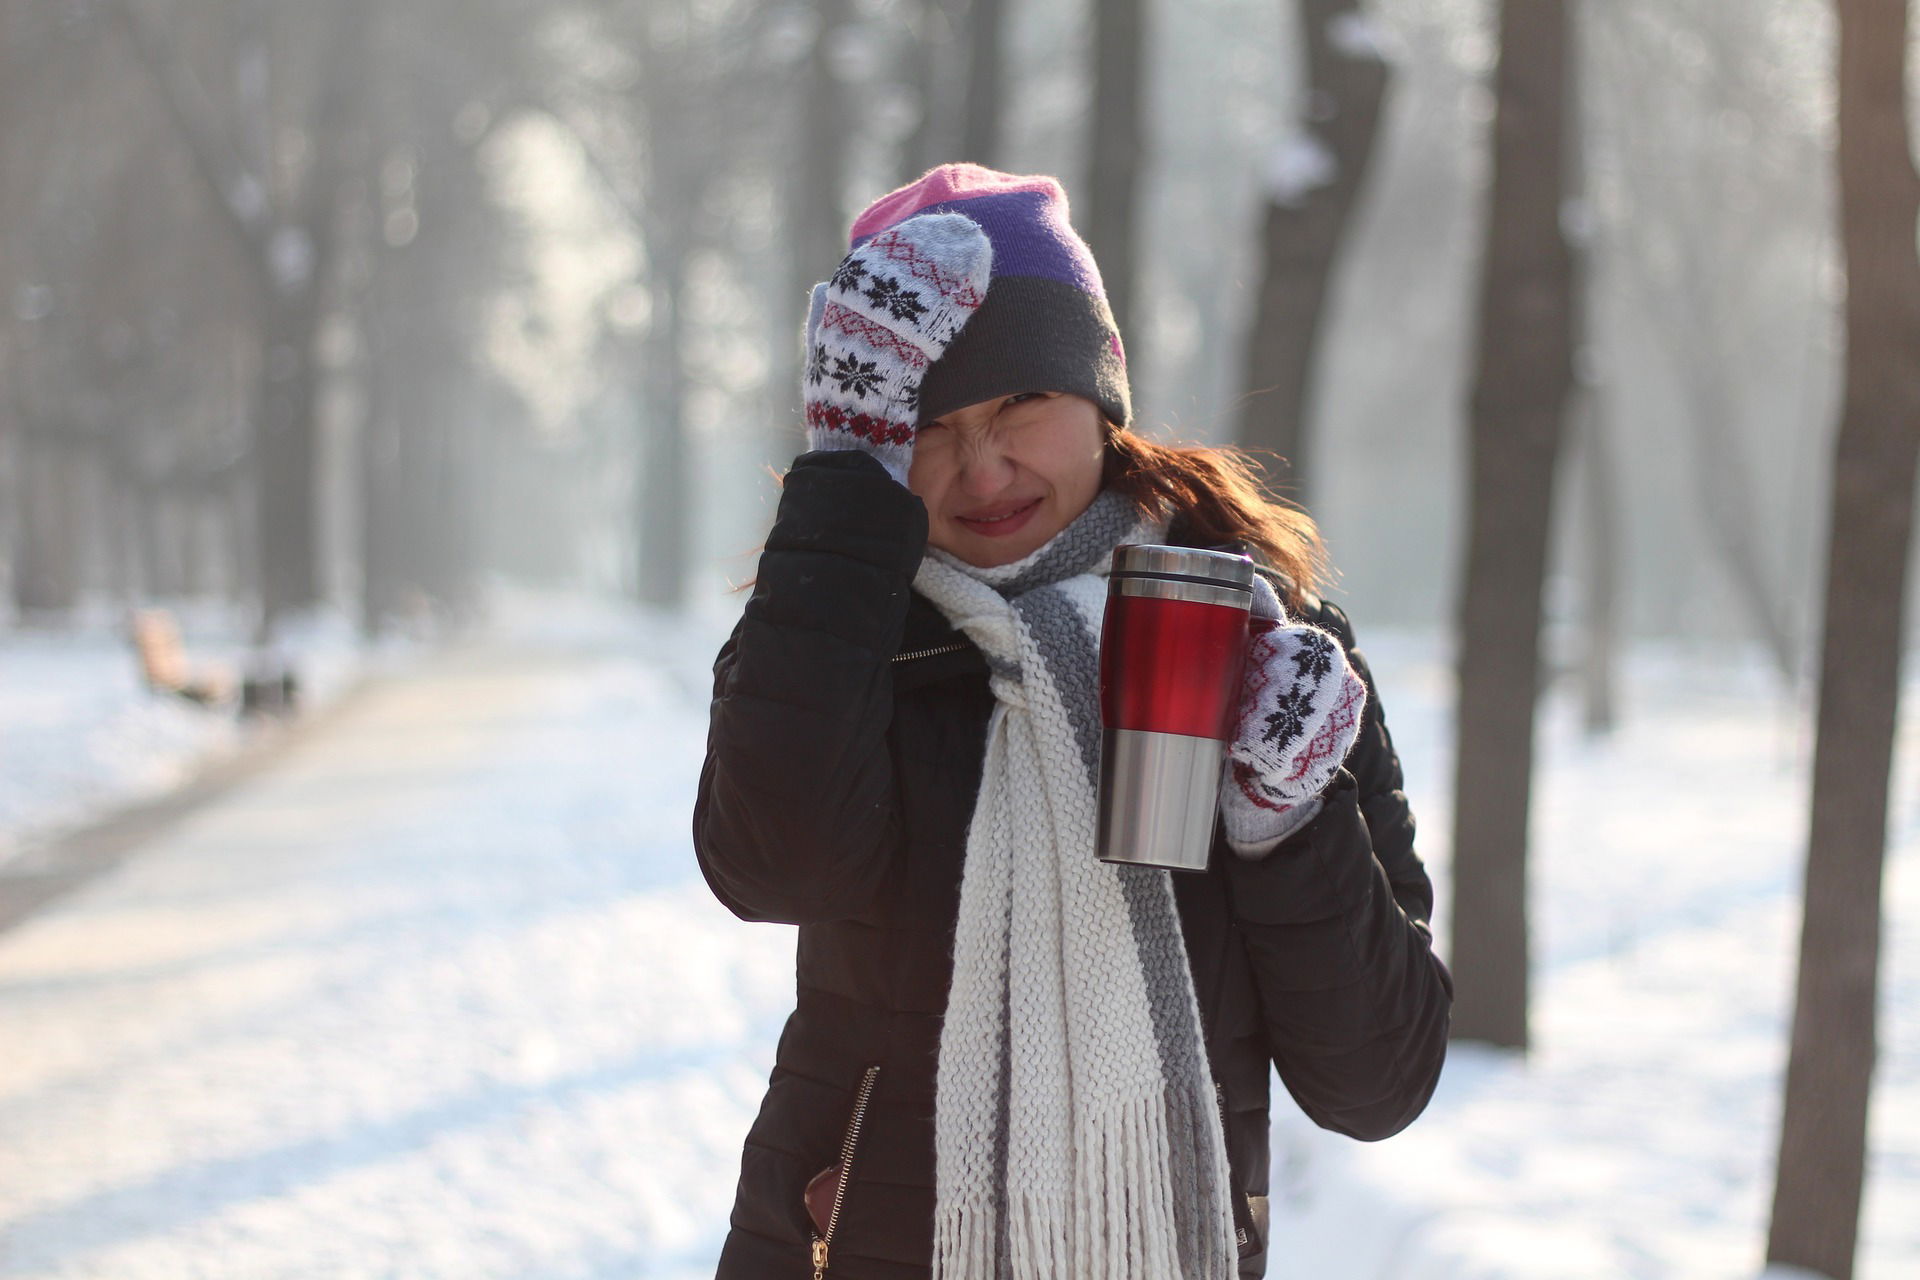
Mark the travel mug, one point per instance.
(1173, 650)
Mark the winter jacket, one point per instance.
(846, 749)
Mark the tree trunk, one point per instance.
(382, 574)
(929, 44)
(1117, 148)
(1312, 190)
(1599, 488)
(817, 227)
(678, 176)
(1816, 1201)
(436, 535)
(1523, 379)
(980, 139)
(821, 224)
(148, 568)
(663, 483)
(1600, 491)
(289, 258)
(284, 454)
(300, 260)
(47, 537)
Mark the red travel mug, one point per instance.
(1172, 654)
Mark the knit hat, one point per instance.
(1045, 324)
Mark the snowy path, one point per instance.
(441, 996)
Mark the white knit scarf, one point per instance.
(1076, 1135)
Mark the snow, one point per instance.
(1637, 1138)
(80, 734)
(290, 255)
(1298, 165)
(1354, 35)
(443, 994)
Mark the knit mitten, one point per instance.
(890, 310)
(1300, 711)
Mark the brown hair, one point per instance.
(1223, 497)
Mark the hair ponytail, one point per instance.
(1223, 497)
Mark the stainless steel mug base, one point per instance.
(1159, 794)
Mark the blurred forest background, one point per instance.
(362, 305)
(371, 315)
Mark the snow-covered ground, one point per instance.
(1637, 1139)
(81, 734)
(443, 995)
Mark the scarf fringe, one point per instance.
(1116, 1223)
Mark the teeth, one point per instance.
(995, 519)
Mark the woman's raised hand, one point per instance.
(1300, 711)
(890, 310)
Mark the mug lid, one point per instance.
(1189, 564)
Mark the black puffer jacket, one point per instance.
(848, 732)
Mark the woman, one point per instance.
(1008, 1058)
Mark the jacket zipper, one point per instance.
(847, 1144)
(955, 647)
(1240, 1236)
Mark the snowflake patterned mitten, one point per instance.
(890, 310)
(1300, 712)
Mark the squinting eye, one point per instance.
(1025, 396)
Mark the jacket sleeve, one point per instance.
(1335, 922)
(795, 818)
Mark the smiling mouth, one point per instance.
(1005, 522)
(1004, 515)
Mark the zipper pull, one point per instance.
(819, 1258)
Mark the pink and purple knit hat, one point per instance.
(1045, 324)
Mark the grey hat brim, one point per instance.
(1031, 334)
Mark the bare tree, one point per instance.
(1313, 187)
(231, 232)
(285, 230)
(122, 317)
(1713, 197)
(929, 41)
(1595, 467)
(820, 169)
(983, 110)
(680, 169)
(1823, 1139)
(1522, 384)
(44, 458)
(1597, 471)
(814, 182)
(429, 253)
(1118, 149)
(662, 143)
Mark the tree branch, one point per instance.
(240, 194)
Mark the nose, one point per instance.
(986, 467)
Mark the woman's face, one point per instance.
(1003, 476)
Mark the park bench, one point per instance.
(164, 665)
(267, 687)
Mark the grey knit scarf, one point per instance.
(1076, 1136)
